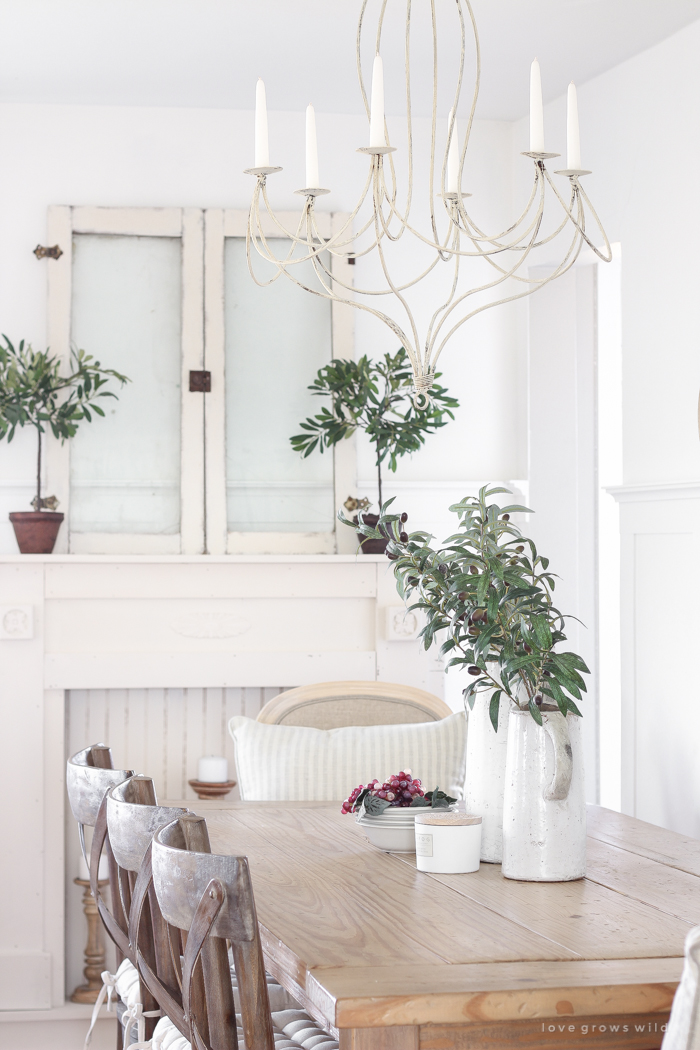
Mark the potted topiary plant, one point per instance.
(488, 593)
(34, 393)
(377, 397)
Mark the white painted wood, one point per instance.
(215, 362)
(192, 514)
(281, 543)
(54, 839)
(231, 577)
(57, 456)
(123, 543)
(137, 222)
(191, 670)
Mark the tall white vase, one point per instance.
(486, 773)
(544, 807)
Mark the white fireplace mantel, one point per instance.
(84, 622)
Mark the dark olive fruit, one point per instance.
(393, 557)
(479, 614)
(404, 517)
(403, 536)
(548, 674)
(527, 648)
(474, 669)
(473, 570)
(462, 596)
(520, 549)
(443, 569)
(412, 581)
(506, 517)
(538, 700)
(513, 561)
(473, 630)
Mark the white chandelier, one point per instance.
(381, 217)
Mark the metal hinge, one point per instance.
(200, 382)
(48, 253)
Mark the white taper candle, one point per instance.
(452, 158)
(376, 120)
(536, 113)
(311, 150)
(262, 149)
(573, 140)
(212, 769)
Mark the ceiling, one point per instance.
(209, 53)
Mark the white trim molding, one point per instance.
(652, 491)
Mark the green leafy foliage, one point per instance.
(487, 599)
(374, 396)
(34, 393)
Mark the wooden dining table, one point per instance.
(390, 958)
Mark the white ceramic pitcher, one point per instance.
(544, 807)
(486, 773)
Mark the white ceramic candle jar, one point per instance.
(447, 843)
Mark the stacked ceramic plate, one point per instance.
(392, 830)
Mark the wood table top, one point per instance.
(367, 940)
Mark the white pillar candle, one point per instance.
(262, 150)
(212, 770)
(311, 150)
(102, 871)
(376, 122)
(573, 140)
(452, 158)
(447, 842)
(536, 113)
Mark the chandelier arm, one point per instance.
(603, 257)
(409, 118)
(497, 237)
(516, 245)
(484, 287)
(560, 270)
(475, 97)
(451, 296)
(267, 254)
(581, 225)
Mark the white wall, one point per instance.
(143, 156)
(639, 135)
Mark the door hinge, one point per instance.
(48, 253)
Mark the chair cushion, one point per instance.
(293, 1030)
(297, 763)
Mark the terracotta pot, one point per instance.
(368, 544)
(36, 530)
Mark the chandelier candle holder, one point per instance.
(382, 216)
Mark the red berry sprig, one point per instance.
(397, 790)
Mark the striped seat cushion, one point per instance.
(296, 763)
(293, 1029)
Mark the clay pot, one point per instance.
(36, 530)
(368, 544)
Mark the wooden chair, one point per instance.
(132, 816)
(683, 1032)
(331, 705)
(210, 897)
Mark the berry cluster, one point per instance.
(397, 790)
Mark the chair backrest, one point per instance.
(211, 897)
(331, 705)
(89, 776)
(132, 815)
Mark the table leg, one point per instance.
(400, 1037)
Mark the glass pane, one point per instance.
(276, 340)
(125, 469)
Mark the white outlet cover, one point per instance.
(16, 622)
(401, 625)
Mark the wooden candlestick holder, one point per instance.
(94, 949)
(206, 789)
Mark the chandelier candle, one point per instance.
(312, 180)
(452, 158)
(573, 141)
(536, 112)
(262, 150)
(376, 122)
